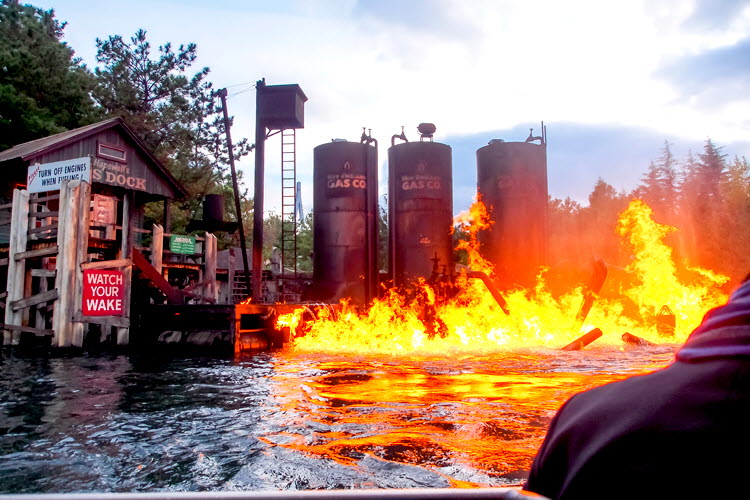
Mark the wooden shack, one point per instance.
(73, 242)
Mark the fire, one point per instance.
(472, 321)
(474, 220)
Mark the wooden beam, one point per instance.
(43, 273)
(39, 332)
(81, 256)
(117, 321)
(211, 249)
(48, 227)
(62, 314)
(157, 247)
(39, 298)
(44, 215)
(16, 267)
(107, 264)
(46, 198)
(40, 252)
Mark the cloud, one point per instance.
(715, 14)
(714, 77)
(434, 17)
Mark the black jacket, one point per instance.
(681, 432)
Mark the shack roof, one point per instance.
(39, 148)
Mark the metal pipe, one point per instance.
(583, 340)
(493, 290)
(223, 94)
(401, 136)
(532, 137)
(406, 494)
(590, 290)
(371, 227)
(260, 151)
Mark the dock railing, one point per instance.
(389, 494)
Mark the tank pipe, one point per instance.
(532, 137)
(590, 290)
(402, 136)
(371, 197)
(493, 290)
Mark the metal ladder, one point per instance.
(288, 201)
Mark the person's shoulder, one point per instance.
(626, 393)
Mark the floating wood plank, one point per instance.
(40, 252)
(629, 338)
(43, 273)
(107, 264)
(39, 298)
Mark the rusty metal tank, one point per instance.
(512, 181)
(420, 208)
(344, 221)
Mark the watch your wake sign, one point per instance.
(49, 176)
(182, 244)
(103, 293)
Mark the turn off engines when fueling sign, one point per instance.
(49, 176)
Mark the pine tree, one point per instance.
(176, 115)
(44, 89)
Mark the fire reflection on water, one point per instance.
(472, 420)
(288, 419)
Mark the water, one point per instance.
(286, 420)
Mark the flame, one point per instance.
(476, 219)
(472, 321)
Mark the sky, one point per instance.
(612, 80)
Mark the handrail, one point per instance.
(405, 494)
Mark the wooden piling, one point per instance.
(74, 202)
(157, 247)
(212, 289)
(16, 267)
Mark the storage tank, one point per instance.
(344, 221)
(512, 181)
(420, 208)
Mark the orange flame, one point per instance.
(476, 219)
(472, 321)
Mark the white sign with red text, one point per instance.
(48, 176)
(103, 293)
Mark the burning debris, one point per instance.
(476, 318)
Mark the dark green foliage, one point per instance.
(305, 243)
(175, 114)
(706, 199)
(44, 90)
